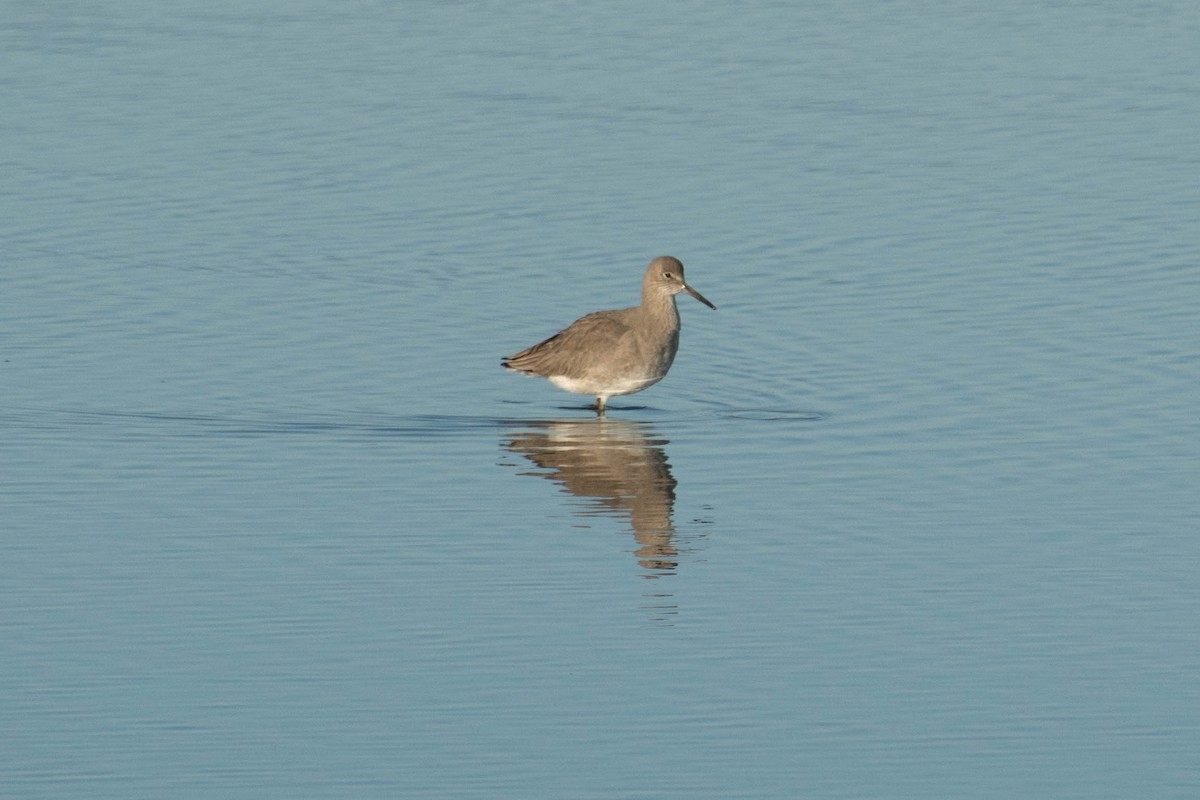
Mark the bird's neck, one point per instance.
(661, 309)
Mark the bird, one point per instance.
(611, 353)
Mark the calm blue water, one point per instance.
(914, 515)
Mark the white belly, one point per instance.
(599, 388)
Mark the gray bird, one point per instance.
(610, 353)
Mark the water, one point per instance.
(913, 515)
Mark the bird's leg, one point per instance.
(599, 406)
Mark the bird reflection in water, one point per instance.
(619, 469)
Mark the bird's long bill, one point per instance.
(698, 296)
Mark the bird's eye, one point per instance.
(668, 275)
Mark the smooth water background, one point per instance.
(914, 515)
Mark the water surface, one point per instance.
(913, 515)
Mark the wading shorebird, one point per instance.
(610, 353)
